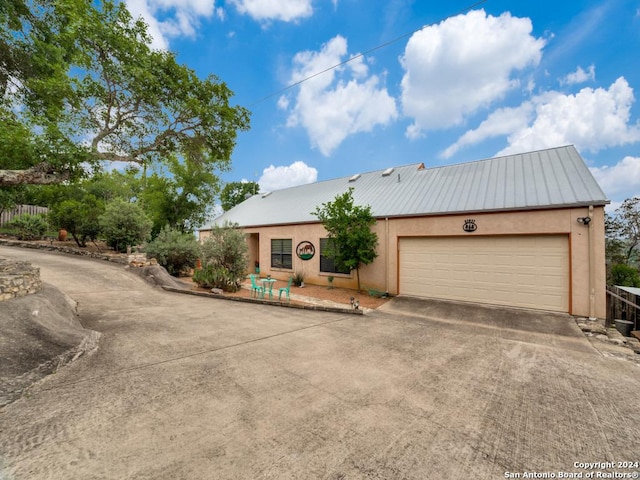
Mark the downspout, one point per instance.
(592, 265)
(388, 259)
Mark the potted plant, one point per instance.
(298, 279)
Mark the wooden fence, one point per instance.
(623, 304)
(8, 215)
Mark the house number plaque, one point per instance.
(469, 225)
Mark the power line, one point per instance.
(366, 52)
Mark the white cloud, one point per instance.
(140, 8)
(463, 64)
(284, 10)
(503, 121)
(171, 18)
(330, 110)
(283, 102)
(277, 178)
(579, 76)
(591, 120)
(620, 181)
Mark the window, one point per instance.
(281, 253)
(326, 262)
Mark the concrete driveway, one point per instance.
(183, 387)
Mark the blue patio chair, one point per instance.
(258, 289)
(285, 289)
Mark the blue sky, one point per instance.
(448, 83)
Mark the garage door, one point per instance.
(522, 271)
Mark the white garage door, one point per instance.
(523, 271)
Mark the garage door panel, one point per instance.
(526, 271)
(552, 283)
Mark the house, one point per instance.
(523, 230)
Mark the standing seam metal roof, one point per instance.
(552, 178)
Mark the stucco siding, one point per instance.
(537, 222)
(586, 266)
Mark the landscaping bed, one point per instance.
(311, 293)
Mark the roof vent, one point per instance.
(355, 177)
(265, 195)
(387, 172)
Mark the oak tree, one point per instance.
(234, 193)
(81, 85)
(622, 230)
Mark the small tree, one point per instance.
(180, 196)
(174, 250)
(349, 226)
(124, 224)
(224, 255)
(79, 217)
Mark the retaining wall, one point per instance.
(18, 279)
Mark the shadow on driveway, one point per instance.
(533, 326)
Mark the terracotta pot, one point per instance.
(62, 235)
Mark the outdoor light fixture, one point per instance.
(584, 220)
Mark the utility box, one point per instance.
(624, 327)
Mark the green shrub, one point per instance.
(624, 275)
(227, 253)
(124, 224)
(29, 227)
(210, 276)
(174, 250)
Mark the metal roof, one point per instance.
(632, 290)
(553, 178)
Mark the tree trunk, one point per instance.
(630, 250)
(42, 174)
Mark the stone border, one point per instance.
(264, 302)
(116, 258)
(126, 260)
